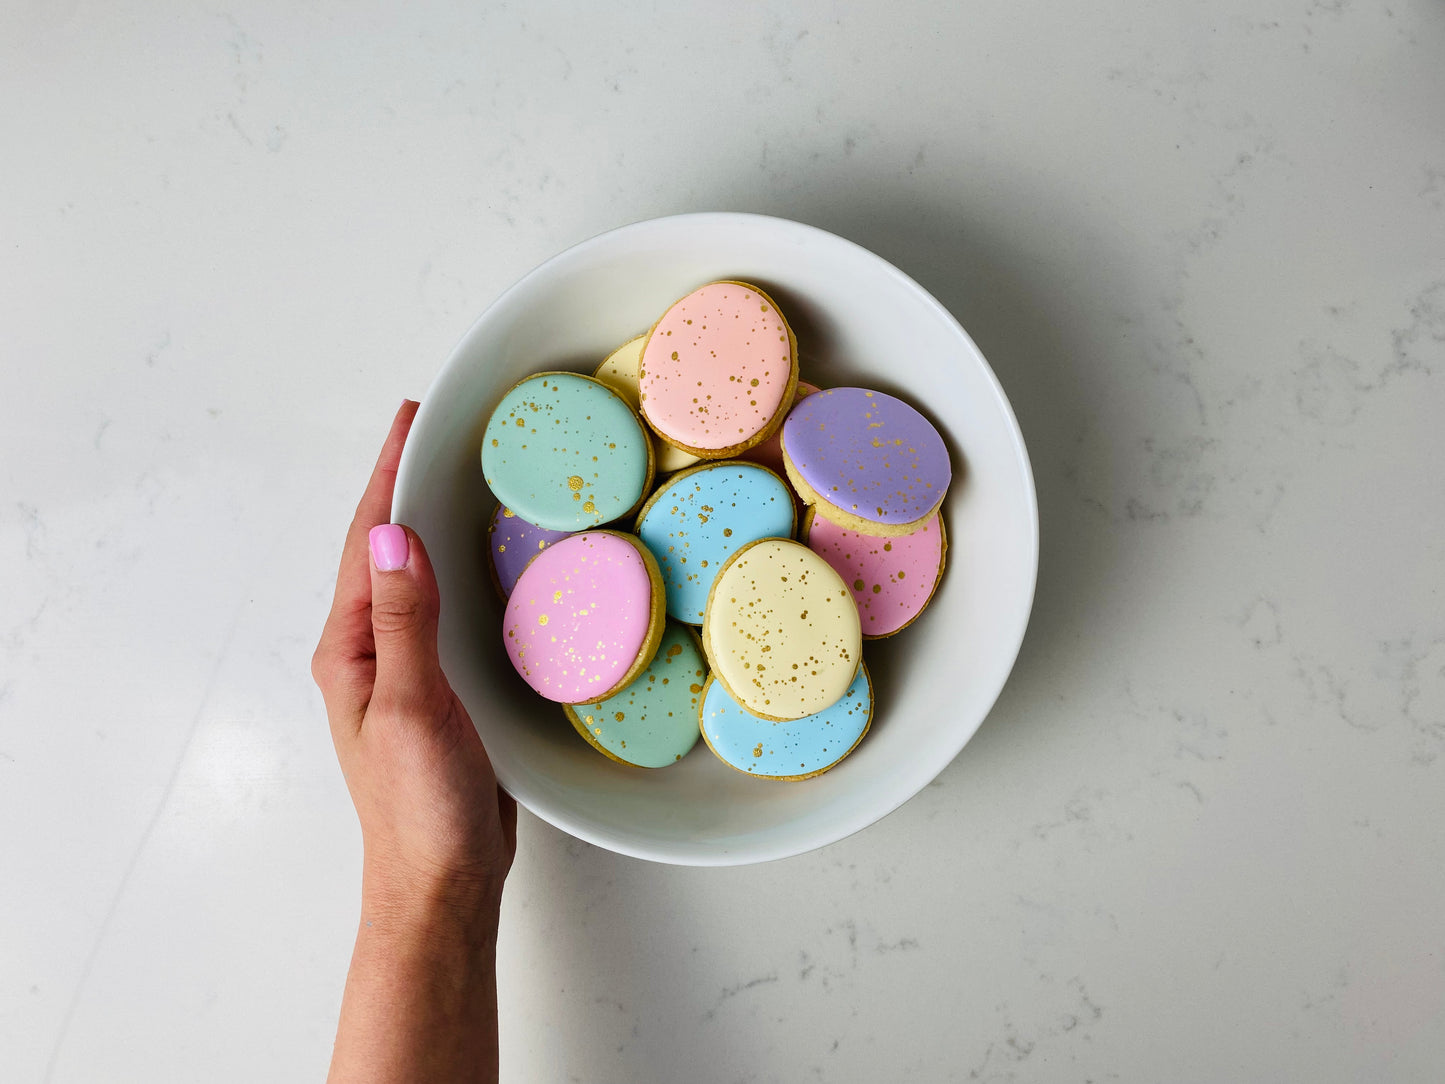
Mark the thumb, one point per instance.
(404, 608)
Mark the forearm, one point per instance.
(421, 995)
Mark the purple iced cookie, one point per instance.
(865, 460)
(511, 543)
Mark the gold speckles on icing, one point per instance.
(866, 460)
(798, 749)
(701, 516)
(653, 721)
(603, 630)
(718, 370)
(557, 440)
(892, 579)
(782, 631)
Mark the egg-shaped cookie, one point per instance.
(585, 617)
(566, 452)
(511, 543)
(781, 631)
(653, 721)
(619, 372)
(799, 749)
(892, 577)
(701, 516)
(866, 460)
(718, 370)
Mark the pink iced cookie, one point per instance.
(585, 616)
(891, 579)
(770, 452)
(719, 370)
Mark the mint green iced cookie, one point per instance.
(652, 722)
(566, 452)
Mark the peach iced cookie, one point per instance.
(718, 371)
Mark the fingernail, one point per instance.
(389, 547)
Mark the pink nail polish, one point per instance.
(389, 547)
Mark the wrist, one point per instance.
(420, 898)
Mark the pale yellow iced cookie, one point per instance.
(781, 631)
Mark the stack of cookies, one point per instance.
(774, 526)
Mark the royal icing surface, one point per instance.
(868, 453)
(782, 631)
(788, 750)
(698, 520)
(652, 722)
(565, 452)
(619, 372)
(716, 367)
(512, 542)
(891, 579)
(579, 615)
(770, 452)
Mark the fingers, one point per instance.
(342, 665)
(353, 582)
(404, 609)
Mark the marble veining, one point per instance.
(1203, 248)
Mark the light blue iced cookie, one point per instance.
(793, 750)
(701, 517)
(566, 452)
(653, 722)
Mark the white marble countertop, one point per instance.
(1202, 835)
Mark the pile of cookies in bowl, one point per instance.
(695, 543)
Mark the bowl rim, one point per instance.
(764, 850)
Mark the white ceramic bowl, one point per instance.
(858, 320)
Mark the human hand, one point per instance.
(435, 826)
